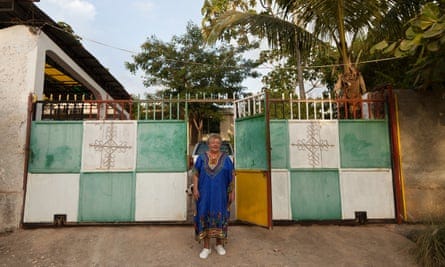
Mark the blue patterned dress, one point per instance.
(214, 185)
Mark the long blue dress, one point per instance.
(214, 185)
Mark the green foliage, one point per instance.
(307, 32)
(284, 76)
(378, 73)
(266, 20)
(424, 40)
(334, 21)
(212, 9)
(430, 247)
(186, 65)
(67, 28)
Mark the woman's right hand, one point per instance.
(195, 193)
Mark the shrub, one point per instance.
(430, 246)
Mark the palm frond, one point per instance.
(280, 33)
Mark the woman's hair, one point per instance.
(214, 136)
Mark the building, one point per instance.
(40, 57)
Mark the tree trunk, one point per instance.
(300, 76)
(342, 35)
(198, 125)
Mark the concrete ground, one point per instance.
(166, 245)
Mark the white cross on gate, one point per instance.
(108, 147)
(314, 144)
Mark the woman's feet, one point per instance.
(220, 250)
(205, 252)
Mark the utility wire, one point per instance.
(42, 24)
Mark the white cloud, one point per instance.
(143, 6)
(74, 8)
(80, 14)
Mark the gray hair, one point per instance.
(214, 136)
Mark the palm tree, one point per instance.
(273, 24)
(338, 22)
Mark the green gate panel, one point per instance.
(55, 147)
(279, 140)
(364, 144)
(162, 146)
(250, 145)
(107, 197)
(315, 195)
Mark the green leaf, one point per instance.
(390, 48)
(410, 33)
(435, 30)
(433, 47)
(423, 23)
(399, 53)
(379, 46)
(407, 45)
(431, 10)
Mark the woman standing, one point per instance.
(213, 190)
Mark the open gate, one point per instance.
(252, 161)
(317, 159)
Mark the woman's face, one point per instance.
(214, 145)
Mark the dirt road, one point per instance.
(296, 245)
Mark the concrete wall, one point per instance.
(22, 62)
(422, 135)
(18, 52)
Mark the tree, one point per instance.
(380, 69)
(424, 40)
(284, 76)
(222, 18)
(337, 22)
(185, 65)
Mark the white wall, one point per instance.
(18, 52)
(22, 62)
(47, 46)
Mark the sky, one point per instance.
(125, 25)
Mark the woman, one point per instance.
(213, 190)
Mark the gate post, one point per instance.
(269, 161)
(30, 111)
(395, 154)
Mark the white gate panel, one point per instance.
(314, 144)
(367, 190)
(50, 194)
(109, 146)
(281, 207)
(161, 197)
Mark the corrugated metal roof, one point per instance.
(27, 13)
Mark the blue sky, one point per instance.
(126, 25)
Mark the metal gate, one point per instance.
(334, 159)
(112, 170)
(252, 161)
(296, 160)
